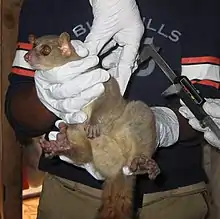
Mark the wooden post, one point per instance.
(11, 156)
(1, 182)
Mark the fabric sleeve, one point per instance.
(201, 48)
(24, 111)
(27, 26)
(200, 60)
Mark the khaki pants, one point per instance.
(212, 167)
(63, 199)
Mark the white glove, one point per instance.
(212, 108)
(120, 22)
(67, 89)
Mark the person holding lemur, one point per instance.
(180, 36)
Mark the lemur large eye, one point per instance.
(45, 50)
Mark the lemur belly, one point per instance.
(108, 158)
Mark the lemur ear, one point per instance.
(65, 37)
(65, 45)
(32, 39)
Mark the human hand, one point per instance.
(111, 24)
(212, 108)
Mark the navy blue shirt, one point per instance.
(172, 25)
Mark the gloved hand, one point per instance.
(65, 90)
(120, 22)
(212, 108)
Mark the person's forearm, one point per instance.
(25, 112)
(186, 132)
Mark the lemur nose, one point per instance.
(27, 57)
